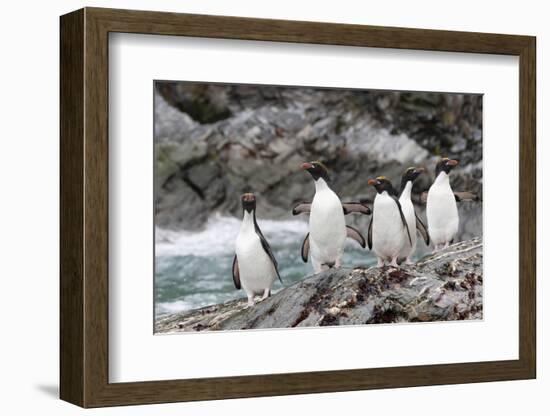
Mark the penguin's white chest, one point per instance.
(441, 211)
(408, 212)
(388, 232)
(256, 270)
(327, 226)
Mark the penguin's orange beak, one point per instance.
(248, 197)
(452, 162)
(306, 166)
(373, 182)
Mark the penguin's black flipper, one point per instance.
(305, 248)
(423, 230)
(358, 207)
(369, 234)
(355, 235)
(403, 220)
(465, 196)
(236, 276)
(302, 207)
(267, 248)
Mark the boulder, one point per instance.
(444, 286)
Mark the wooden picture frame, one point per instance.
(84, 207)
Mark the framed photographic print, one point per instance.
(255, 207)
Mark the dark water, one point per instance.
(194, 269)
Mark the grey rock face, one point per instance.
(444, 286)
(214, 143)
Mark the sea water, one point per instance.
(193, 269)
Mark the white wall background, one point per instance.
(29, 206)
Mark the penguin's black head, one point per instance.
(316, 170)
(445, 165)
(410, 175)
(249, 202)
(382, 184)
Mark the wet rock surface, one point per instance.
(215, 142)
(444, 286)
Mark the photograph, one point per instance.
(266, 204)
(280, 207)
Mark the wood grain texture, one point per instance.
(71, 100)
(84, 206)
(96, 208)
(528, 208)
(227, 27)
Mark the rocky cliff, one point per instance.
(444, 286)
(214, 142)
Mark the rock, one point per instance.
(459, 145)
(204, 103)
(169, 121)
(258, 138)
(444, 286)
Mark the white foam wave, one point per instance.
(219, 235)
(165, 308)
(191, 302)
